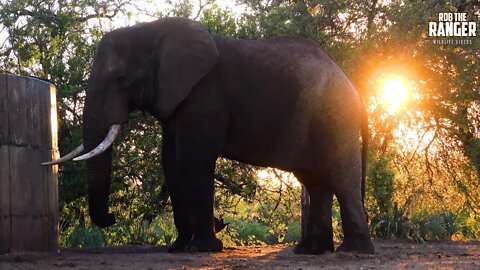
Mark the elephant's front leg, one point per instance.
(184, 228)
(195, 168)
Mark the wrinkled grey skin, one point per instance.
(279, 102)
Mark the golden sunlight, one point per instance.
(394, 94)
(275, 177)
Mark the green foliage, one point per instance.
(219, 21)
(158, 231)
(337, 221)
(250, 232)
(181, 8)
(271, 215)
(137, 187)
(85, 237)
(380, 184)
(139, 231)
(293, 234)
(241, 232)
(389, 221)
(469, 225)
(420, 227)
(234, 178)
(391, 225)
(434, 226)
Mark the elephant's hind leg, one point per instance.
(341, 159)
(318, 237)
(347, 187)
(354, 222)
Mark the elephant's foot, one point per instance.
(179, 245)
(313, 247)
(361, 244)
(211, 244)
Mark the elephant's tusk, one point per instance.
(77, 151)
(112, 134)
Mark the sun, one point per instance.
(394, 94)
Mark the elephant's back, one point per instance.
(280, 51)
(273, 85)
(283, 63)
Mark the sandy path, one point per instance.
(389, 255)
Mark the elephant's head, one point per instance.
(150, 67)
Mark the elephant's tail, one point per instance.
(365, 138)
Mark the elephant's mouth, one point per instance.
(104, 145)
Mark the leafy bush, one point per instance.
(159, 231)
(433, 226)
(250, 232)
(85, 237)
(389, 220)
(293, 234)
(392, 224)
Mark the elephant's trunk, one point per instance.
(99, 167)
(99, 171)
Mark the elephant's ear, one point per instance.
(185, 54)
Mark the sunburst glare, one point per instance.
(394, 94)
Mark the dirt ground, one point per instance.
(389, 255)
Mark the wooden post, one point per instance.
(28, 191)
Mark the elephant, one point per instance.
(277, 102)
